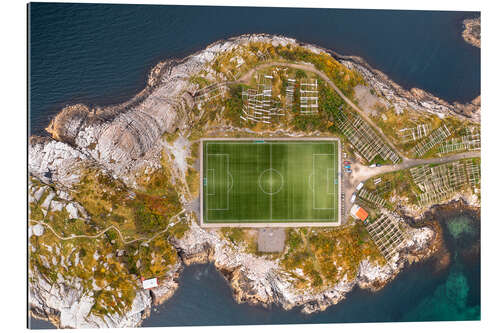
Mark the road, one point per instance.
(361, 173)
(310, 68)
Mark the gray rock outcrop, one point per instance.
(68, 305)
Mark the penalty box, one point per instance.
(274, 182)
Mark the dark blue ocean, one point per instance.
(101, 54)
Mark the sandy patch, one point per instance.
(366, 100)
(180, 150)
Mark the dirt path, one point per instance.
(366, 173)
(106, 230)
(361, 173)
(310, 68)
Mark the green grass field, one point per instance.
(252, 181)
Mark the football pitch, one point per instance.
(251, 182)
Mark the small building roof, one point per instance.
(359, 213)
(150, 283)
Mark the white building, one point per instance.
(150, 283)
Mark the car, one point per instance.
(348, 166)
(378, 164)
(347, 162)
(353, 198)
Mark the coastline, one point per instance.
(432, 219)
(81, 126)
(437, 253)
(253, 279)
(472, 31)
(415, 97)
(270, 287)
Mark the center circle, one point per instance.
(270, 181)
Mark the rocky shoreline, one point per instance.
(472, 31)
(259, 281)
(163, 107)
(124, 139)
(437, 215)
(414, 99)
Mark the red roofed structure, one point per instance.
(359, 213)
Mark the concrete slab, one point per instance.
(271, 239)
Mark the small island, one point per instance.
(472, 31)
(117, 194)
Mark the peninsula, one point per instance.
(114, 192)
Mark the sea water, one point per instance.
(101, 54)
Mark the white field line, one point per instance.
(211, 172)
(252, 141)
(329, 181)
(227, 182)
(271, 168)
(314, 183)
(230, 175)
(274, 141)
(274, 220)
